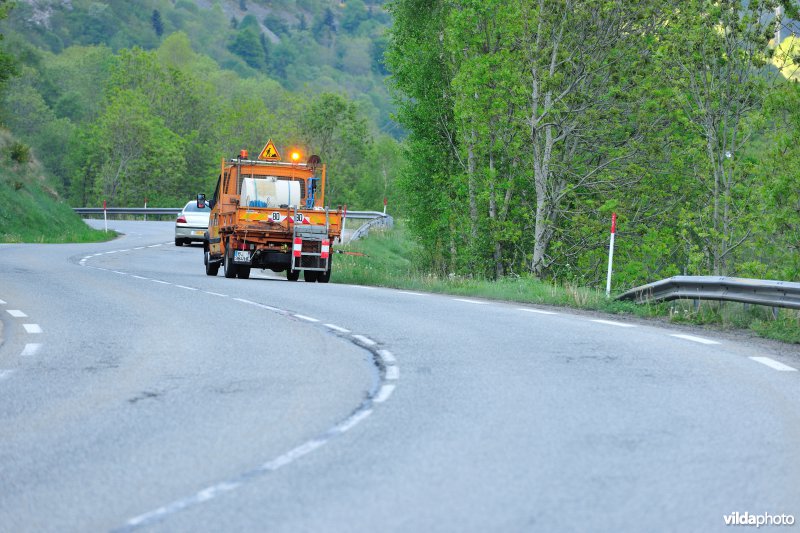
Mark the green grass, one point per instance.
(29, 210)
(388, 262)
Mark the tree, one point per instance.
(158, 25)
(7, 64)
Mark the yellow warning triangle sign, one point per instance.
(269, 153)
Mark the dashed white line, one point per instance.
(16, 313)
(613, 323)
(187, 288)
(126, 250)
(2, 302)
(392, 373)
(469, 301)
(351, 422)
(386, 390)
(119, 272)
(364, 340)
(772, 363)
(692, 338)
(216, 294)
(32, 328)
(140, 277)
(5, 373)
(336, 328)
(537, 311)
(154, 245)
(387, 357)
(139, 248)
(306, 318)
(245, 301)
(162, 282)
(30, 349)
(269, 308)
(111, 252)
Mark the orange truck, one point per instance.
(266, 213)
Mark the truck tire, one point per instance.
(310, 275)
(243, 272)
(211, 267)
(325, 277)
(178, 242)
(228, 265)
(292, 275)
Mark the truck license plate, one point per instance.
(241, 256)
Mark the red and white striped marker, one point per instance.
(326, 249)
(611, 253)
(297, 249)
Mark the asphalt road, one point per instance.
(138, 393)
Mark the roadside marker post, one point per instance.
(384, 205)
(611, 253)
(105, 216)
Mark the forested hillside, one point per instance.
(531, 122)
(124, 101)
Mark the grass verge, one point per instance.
(387, 262)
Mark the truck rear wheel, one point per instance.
(228, 265)
(292, 275)
(243, 272)
(211, 267)
(325, 277)
(310, 275)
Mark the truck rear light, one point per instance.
(326, 249)
(181, 219)
(297, 249)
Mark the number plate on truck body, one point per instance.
(241, 256)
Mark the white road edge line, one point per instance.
(392, 373)
(537, 311)
(16, 313)
(364, 340)
(216, 294)
(30, 349)
(32, 328)
(413, 293)
(351, 422)
(469, 301)
(613, 323)
(187, 288)
(250, 302)
(384, 393)
(336, 328)
(387, 357)
(692, 338)
(306, 318)
(162, 282)
(772, 363)
(140, 277)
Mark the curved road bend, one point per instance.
(150, 396)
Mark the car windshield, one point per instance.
(192, 206)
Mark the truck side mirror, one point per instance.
(201, 201)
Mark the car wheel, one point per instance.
(228, 265)
(292, 275)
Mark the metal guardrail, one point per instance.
(380, 221)
(748, 291)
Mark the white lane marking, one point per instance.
(307, 318)
(537, 311)
(32, 328)
(118, 272)
(364, 340)
(123, 251)
(772, 363)
(387, 357)
(154, 245)
(112, 252)
(469, 301)
(337, 328)
(216, 294)
(30, 349)
(139, 248)
(179, 505)
(269, 307)
(384, 393)
(16, 313)
(161, 282)
(692, 338)
(362, 287)
(412, 293)
(245, 301)
(613, 323)
(2, 302)
(351, 422)
(87, 258)
(5, 373)
(187, 288)
(141, 277)
(392, 373)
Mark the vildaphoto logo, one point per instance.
(758, 520)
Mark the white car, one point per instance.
(191, 224)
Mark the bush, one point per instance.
(19, 153)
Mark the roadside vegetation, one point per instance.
(387, 259)
(30, 210)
